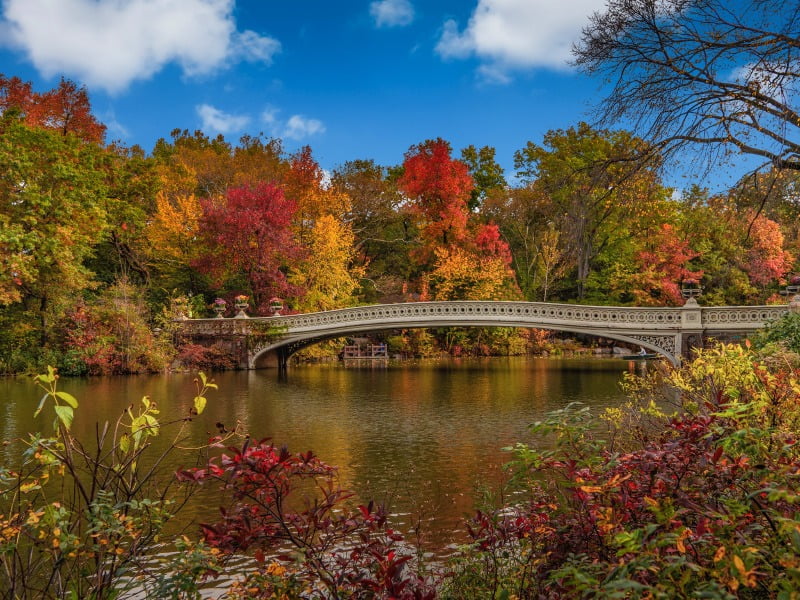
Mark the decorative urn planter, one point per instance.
(275, 306)
(691, 290)
(792, 290)
(241, 303)
(219, 307)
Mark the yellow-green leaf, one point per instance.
(64, 414)
(68, 398)
(199, 404)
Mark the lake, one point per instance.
(424, 437)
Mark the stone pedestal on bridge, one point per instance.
(691, 334)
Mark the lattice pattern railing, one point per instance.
(564, 315)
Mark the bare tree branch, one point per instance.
(710, 74)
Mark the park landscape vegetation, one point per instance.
(691, 492)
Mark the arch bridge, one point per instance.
(671, 332)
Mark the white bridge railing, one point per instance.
(665, 330)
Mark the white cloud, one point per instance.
(518, 34)
(252, 47)
(269, 116)
(392, 13)
(299, 127)
(219, 121)
(115, 128)
(296, 127)
(110, 43)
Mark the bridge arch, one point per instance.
(666, 331)
(283, 349)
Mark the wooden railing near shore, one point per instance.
(365, 351)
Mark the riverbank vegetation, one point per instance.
(102, 246)
(688, 489)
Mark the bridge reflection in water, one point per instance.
(670, 332)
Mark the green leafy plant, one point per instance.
(88, 521)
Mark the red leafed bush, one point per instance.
(706, 507)
(281, 500)
(206, 358)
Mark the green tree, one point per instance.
(383, 233)
(52, 194)
(487, 174)
(594, 179)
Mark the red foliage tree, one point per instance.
(662, 267)
(489, 243)
(247, 234)
(65, 109)
(439, 188)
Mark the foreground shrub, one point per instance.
(85, 520)
(706, 508)
(288, 505)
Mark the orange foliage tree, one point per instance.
(65, 109)
(306, 185)
(661, 269)
(766, 260)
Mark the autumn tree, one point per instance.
(65, 109)
(438, 188)
(485, 172)
(766, 261)
(717, 232)
(174, 236)
(592, 178)
(476, 270)
(526, 218)
(776, 195)
(328, 274)
(661, 267)
(52, 192)
(712, 74)
(247, 242)
(124, 251)
(373, 201)
(550, 259)
(196, 160)
(305, 183)
(383, 232)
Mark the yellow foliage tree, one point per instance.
(174, 227)
(461, 274)
(328, 274)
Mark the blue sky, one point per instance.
(352, 78)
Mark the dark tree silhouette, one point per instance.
(720, 75)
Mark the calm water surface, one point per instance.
(423, 437)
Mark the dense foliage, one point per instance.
(702, 502)
(101, 246)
